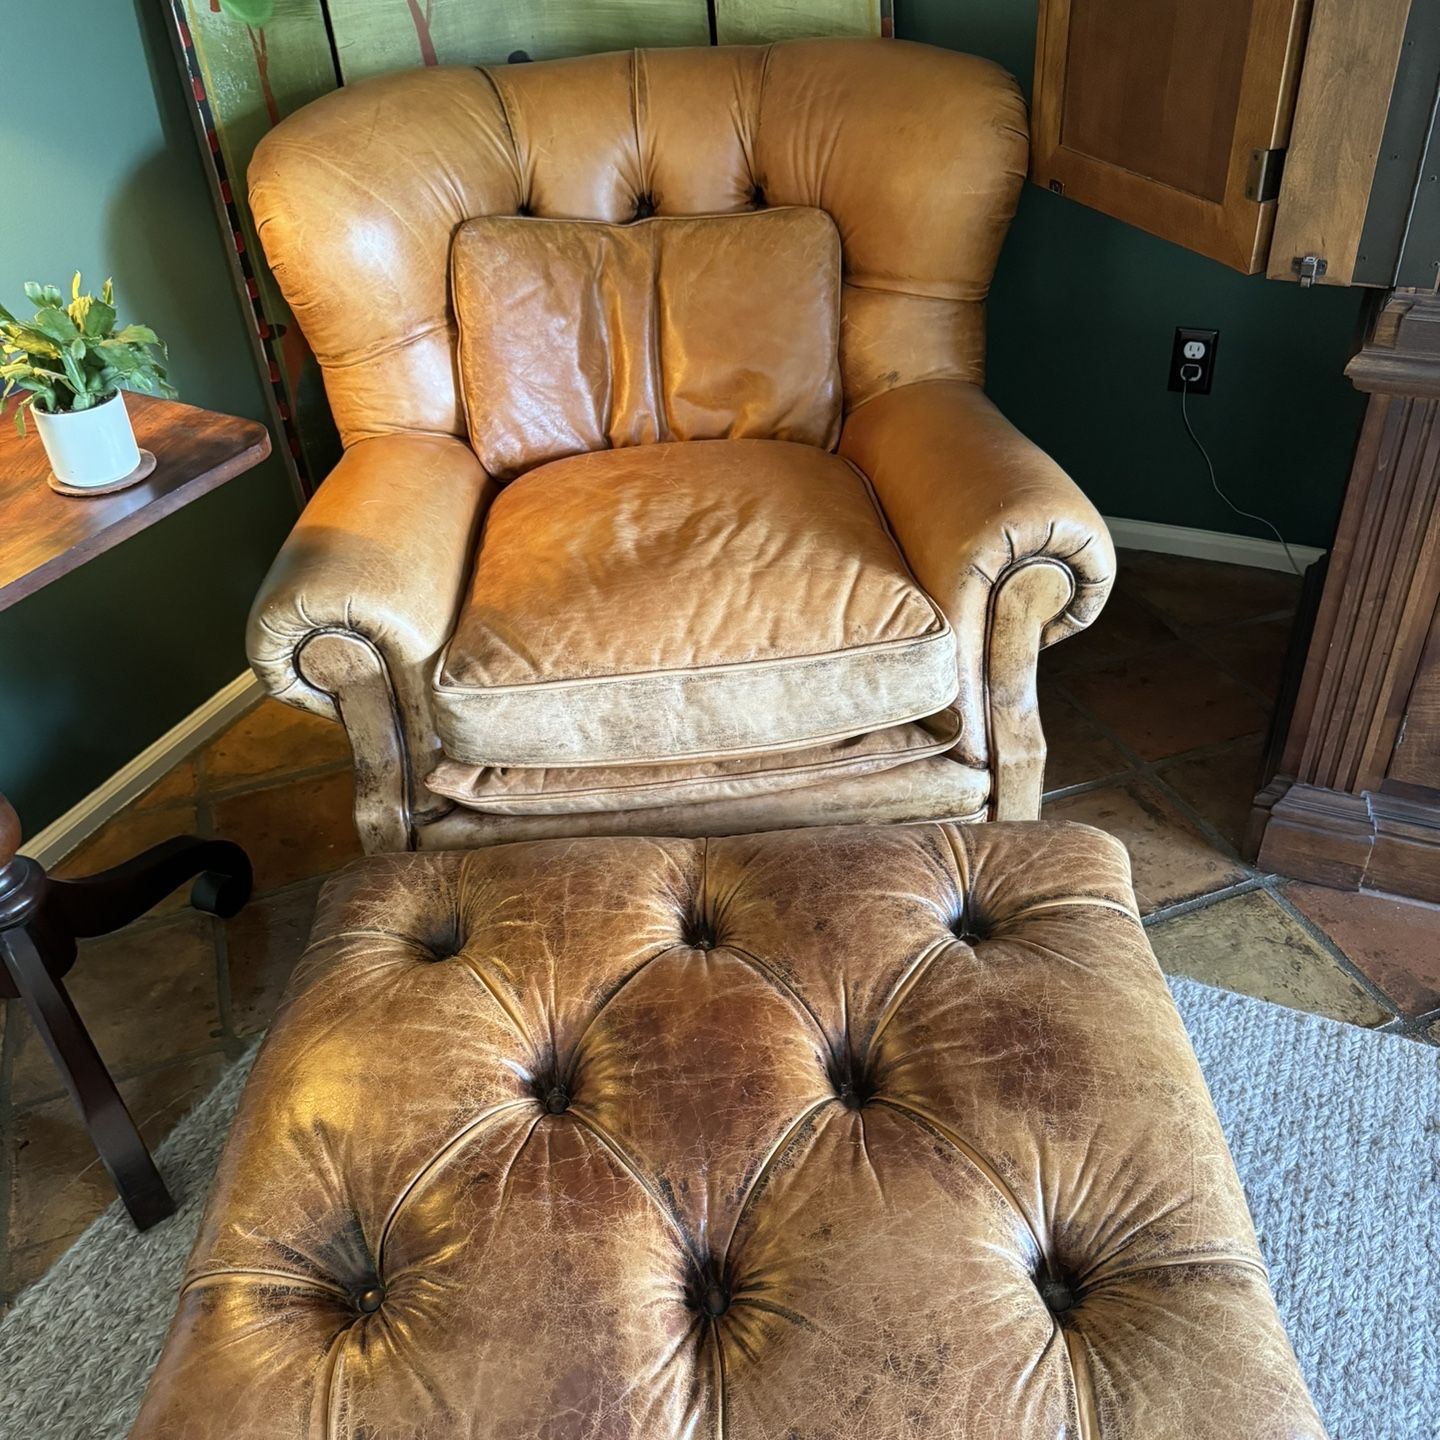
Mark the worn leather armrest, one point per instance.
(971, 502)
(382, 552)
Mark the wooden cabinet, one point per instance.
(1356, 802)
(1284, 136)
(1167, 114)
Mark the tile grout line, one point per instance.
(1276, 893)
(1247, 886)
(1140, 769)
(1148, 770)
(1258, 880)
(1190, 635)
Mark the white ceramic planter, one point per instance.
(89, 447)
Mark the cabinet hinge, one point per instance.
(1309, 268)
(1263, 181)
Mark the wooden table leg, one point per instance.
(40, 920)
(118, 1142)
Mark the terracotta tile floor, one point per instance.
(1155, 717)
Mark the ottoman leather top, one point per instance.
(871, 1132)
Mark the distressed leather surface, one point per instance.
(498, 790)
(686, 601)
(933, 788)
(383, 552)
(970, 500)
(867, 1134)
(917, 154)
(578, 336)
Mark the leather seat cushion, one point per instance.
(578, 336)
(688, 601)
(936, 788)
(833, 1134)
(508, 790)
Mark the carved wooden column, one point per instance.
(1357, 801)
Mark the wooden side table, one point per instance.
(42, 537)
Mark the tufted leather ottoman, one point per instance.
(818, 1135)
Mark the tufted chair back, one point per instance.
(916, 154)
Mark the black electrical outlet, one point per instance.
(1192, 360)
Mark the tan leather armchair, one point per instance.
(659, 525)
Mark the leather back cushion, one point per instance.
(917, 154)
(577, 336)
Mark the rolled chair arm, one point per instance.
(361, 599)
(1003, 541)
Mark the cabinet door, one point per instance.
(1362, 120)
(1165, 114)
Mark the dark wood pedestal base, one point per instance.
(1352, 799)
(40, 921)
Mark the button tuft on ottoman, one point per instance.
(746, 1139)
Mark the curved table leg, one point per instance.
(116, 1139)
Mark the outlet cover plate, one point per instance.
(1182, 352)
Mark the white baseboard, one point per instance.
(81, 820)
(1208, 544)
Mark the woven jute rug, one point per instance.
(1335, 1131)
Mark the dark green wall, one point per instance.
(100, 172)
(1081, 320)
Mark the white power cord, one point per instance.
(1209, 465)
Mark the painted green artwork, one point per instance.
(252, 62)
(376, 35)
(756, 22)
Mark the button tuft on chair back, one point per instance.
(917, 154)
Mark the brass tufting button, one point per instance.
(644, 206)
(716, 1301)
(368, 1300)
(557, 1102)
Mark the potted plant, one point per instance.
(72, 365)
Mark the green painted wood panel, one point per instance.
(372, 36)
(751, 22)
(260, 60)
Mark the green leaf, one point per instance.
(37, 379)
(137, 335)
(56, 324)
(120, 355)
(26, 339)
(83, 400)
(42, 295)
(77, 347)
(99, 318)
(107, 292)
